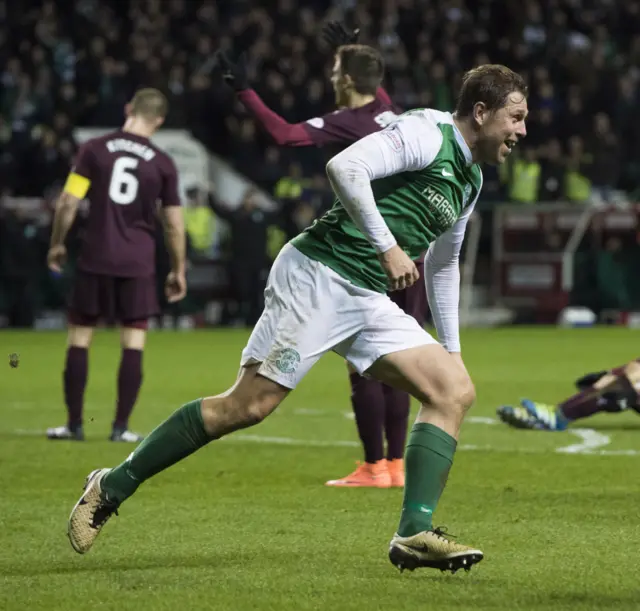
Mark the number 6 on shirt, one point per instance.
(123, 187)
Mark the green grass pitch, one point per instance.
(246, 524)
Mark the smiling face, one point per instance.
(501, 129)
(493, 103)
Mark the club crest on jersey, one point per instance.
(288, 360)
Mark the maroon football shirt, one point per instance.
(128, 176)
(336, 131)
(341, 127)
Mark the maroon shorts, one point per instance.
(128, 301)
(414, 299)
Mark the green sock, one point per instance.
(428, 459)
(176, 438)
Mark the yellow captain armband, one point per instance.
(77, 185)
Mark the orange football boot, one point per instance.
(366, 475)
(396, 471)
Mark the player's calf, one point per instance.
(442, 384)
(246, 404)
(188, 429)
(435, 378)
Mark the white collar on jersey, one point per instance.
(461, 141)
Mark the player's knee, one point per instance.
(133, 338)
(465, 393)
(79, 337)
(457, 393)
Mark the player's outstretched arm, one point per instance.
(283, 133)
(319, 131)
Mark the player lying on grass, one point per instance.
(123, 175)
(612, 391)
(410, 187)
(380, 410)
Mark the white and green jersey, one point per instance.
(413, 184)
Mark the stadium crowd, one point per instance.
(76, 62)
(69, 63)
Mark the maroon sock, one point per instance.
(581, 405)
(75, 380)
(396, 421)
(129, 382)
(615, 397)
(367, 399)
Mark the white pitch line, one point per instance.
(289, 441)
(305, 411)
(20, 405)
(480, 420)
(591, 440)
(28, 433)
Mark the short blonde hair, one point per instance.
(150, 104)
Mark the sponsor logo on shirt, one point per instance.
(317, 122)
(393, 137)
(443, 211)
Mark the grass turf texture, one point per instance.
(247, 524)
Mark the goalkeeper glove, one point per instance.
(234, 73)
(335, 34)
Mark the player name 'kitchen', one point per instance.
(129, 146)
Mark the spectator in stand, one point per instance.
(65, 65)
(604, 171)
(552, 172)
(85, 61)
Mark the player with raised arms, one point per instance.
(400, 191)
(364, 107)
(123, 175)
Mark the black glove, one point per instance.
(233, 73)
(589, 379)
(335, 34)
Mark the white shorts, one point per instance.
(310, 310)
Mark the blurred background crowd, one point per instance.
(70, 63)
